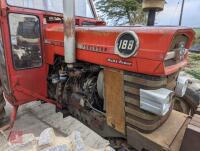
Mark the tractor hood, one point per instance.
(138, 49)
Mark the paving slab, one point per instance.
(35, 117)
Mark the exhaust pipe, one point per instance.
(69, 32)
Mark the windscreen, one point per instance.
(83, 7)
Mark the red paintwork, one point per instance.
(31, 84)
(148, 60)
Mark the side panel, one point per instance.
(113, 80)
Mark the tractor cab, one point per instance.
(23, 67)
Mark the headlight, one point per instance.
(156, 101)
(178, 49)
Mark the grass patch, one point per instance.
(197, 37)
(193, 67)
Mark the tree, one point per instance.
(121, 12)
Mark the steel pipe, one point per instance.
(69, 31)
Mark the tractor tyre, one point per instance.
(189, 102)
(2, 105)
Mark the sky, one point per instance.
(169, 16)
(171, 13)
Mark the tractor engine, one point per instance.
(76, 87)
(80, 91)
(87, 87)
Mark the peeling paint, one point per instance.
(69, 27)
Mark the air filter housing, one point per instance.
(157, 5)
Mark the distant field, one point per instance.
(193, 67)
(197, 30)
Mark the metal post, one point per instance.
(151, 17)
(181, 15)
(69, 31)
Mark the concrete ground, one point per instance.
(27, 122)
(35, 117)
(39, 127)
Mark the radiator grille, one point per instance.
(135, 117)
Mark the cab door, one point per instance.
(24, 66)
(28, 73)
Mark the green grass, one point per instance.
(197, 39)
(193, 67)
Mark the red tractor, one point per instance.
(119, 81)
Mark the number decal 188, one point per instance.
(126, 44)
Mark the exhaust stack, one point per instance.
(69, 32)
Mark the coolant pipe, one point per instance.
(69, 32)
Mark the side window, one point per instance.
(25, 41)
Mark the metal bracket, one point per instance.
(181, 87)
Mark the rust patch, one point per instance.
(69, 27)
(114, 94)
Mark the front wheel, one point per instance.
(189, 103)
(182, 106)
